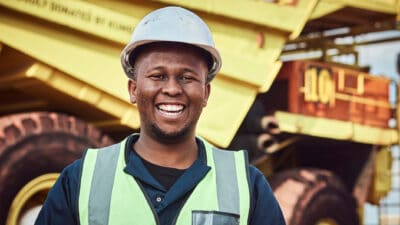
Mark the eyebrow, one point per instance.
(155, 68)
(189, 70)
(162, 67)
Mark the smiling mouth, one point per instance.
(170, 109)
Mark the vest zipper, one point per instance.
(148, 201)
(183, 204)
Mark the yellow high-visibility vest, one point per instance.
(108, 195)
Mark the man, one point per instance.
(165, 174)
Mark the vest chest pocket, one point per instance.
(200, 217)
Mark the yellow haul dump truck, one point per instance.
(320, 131)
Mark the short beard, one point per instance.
(172, 137)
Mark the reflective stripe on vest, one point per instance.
(108, 195)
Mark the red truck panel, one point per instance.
(329, 91)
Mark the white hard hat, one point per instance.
(171, 24)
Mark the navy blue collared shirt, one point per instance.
(61, 205)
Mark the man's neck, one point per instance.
(180, 155)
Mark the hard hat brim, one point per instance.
(127, 52)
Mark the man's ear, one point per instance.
(207, 94)
(132, 90)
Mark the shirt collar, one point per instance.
(136, 168)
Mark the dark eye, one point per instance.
(188, 78)
(157, 76)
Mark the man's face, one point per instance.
(170, 89)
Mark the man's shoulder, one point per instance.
(72, 171)
(258, 180)
(254, 171)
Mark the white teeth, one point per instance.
(171, 108)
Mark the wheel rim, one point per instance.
(326, 221)
(25, 204)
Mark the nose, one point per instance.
(172, 87)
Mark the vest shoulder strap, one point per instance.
(225, 170)
(99, 167)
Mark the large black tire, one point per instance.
(32, 144)
(310, 196)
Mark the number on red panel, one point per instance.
(319, 86)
